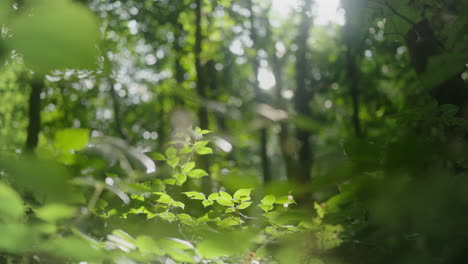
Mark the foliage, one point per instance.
(169, 133)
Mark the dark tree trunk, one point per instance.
(260, 97)
(34, 112)
(303, 95)
(352, 39)
(422, 45)
(117, 111)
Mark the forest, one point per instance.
(233, 131)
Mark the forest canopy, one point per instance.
(221, 131)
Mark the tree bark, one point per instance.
(34, 112)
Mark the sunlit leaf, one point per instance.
(197, 173)
(195, 195)
(71, 139)
(204, 151)
(269, 199)
(242, 193)
(188, 167)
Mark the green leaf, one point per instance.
(11, 205)
(188, 167)
(180, 178)
(71, 139)
(201, 144)
(269, 199)
(72, 248)
(157, 156)
(177, 243)
(207, 203)
(185, 150)
(319, 209)
(70, 43)
(179, 204)
(213, 196)
(171, 152)
(195, 195)
(197, 173)
(288, 199)
(266, 208)
(225, 195)
(173, 162)
(204, 132)
(244, 205)
(204, 151)
(230, 221)
(148, 246)
(4, 8)
(55, 212)
(225, 199)
(242, 194)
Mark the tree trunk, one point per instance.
(352, 38)
(117, 112)
(303, 96)
(260, 97)
(34, 112)
(201, 82)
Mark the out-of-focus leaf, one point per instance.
(4, 12)
(71, 139)
(117, 150)
(48, 181)
(55, 212)
(177, 243)
(171, 152)
(11, 205)
(59, 34)
(74, 248)
(225, 244)
(288, 199)
(148, 246)
(16, 238)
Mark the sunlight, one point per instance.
(325, 11)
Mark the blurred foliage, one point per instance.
(123, 174)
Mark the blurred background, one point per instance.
(357, 108)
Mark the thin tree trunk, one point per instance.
(303, 95)
(284, 135)
(117, 112)
(201, 82)
(201, 89)
(352, 71)
(34, 112)
(263, 131)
